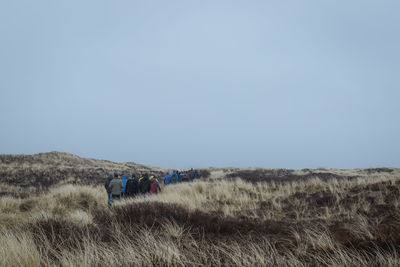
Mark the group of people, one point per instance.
(124, 187)
(129, 187)
(181, 176)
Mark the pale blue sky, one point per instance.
(292, 84)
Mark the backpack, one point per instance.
(107, 184)
(131, 187)
(135, 186)
(144, 185)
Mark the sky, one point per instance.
(178, 84)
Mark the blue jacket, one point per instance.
(176, 176)
(167, 178)
(124, 183)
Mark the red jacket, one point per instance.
(153, 187)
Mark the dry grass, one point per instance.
(280, 218)
(213, 222)
(48, 169)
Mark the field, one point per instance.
(53, 211)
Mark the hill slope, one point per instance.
(269, 217)
(46, 169)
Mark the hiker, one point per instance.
(116, 186)
(144, 184)
(196, 174)
(190, 174)
(154, 185)
(184, 177)
(124, 180)
(167, 178)
(158, 183)
(174, 177)
(107, 186)
(132, 188)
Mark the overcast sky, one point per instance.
(292, 84)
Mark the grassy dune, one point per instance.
(280, 218)
(47, 169)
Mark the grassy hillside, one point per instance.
(277, 218)
(47, 169)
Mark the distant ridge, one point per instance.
(49, 168)
(52, 168)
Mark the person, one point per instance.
(190, 174)
(132, 186)
(178, 176)
(116, 186)
(124, 180)
(154, 185)
(144, 184)
(167, 178)
(158, 183)
(107, 186)
(184, 177)
(174, 177)
(196, 174)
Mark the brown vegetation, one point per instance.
(48, 169)
(284, 217)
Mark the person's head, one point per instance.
(115, 175)
(111, 174)
(133, 175)
(146, 175)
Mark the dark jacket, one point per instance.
(107, 183)
(144, 185)
(132, 187)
